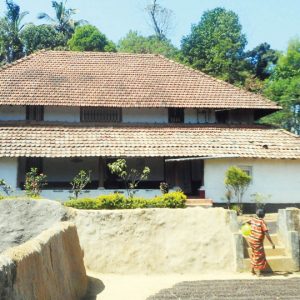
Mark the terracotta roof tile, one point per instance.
(117, 80)
(46, 140)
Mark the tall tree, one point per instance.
(284, 87)
(216, 45)
(11, 24)
(63, 21)
(160, 18)
(135, 43)
(41, 37)
(262, 60)
(89, 38)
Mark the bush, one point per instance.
(118, 201)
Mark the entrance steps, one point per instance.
(278, 260)
(196, 202)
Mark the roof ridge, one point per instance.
(21, 60)
(289, 133)
(218, 80)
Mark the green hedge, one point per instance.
(119, 201)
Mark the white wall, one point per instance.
(9, 171)
(12, 113)
(278, 178)
(145, 115)
(61, 114)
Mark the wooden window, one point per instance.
(176, 115)
(34, 113)
(34, 162)
(99, 114)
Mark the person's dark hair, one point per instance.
(260, 213)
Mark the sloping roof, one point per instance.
(46, 140)
(117, 80)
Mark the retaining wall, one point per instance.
(191, 240)
(49, 266)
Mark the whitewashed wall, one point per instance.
(145, 115)
(12, 113)
(278, 178)
(9, 171)
(61, 114)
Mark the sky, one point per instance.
(272, 21)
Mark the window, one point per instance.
(34, 113)
(176, 115)
(34, 162)
(99, 114)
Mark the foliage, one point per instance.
(118, 201)
(160, 18)
(11, 47)
(216, 45)
(260, 200)
(284, 88)
(41, 37)
(131, 177)
(237, 182)
(7, 189)
(79, 182)
(164, 187)
(135, 43)
(89, 38)
(34, 182)
(238, 208)
(63, 21)
(262, 60)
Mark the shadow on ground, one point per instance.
(266, 289)
(95, 287)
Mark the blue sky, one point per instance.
(272, 21)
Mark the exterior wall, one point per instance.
(157, 240)
(9, 171)
(278, 178)
(61, 114)
(12, 113)
(145, 115)
(191, 116)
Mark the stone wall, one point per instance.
(49, 266)
(191, 240)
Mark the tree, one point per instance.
(284, 87)
(237, 182)
(160, 18)
(131, 177)
(41, 37)
(216, 45)
(11, 46)
(262, 60)
(62, 21)
(135, 43)
(79, 182)
(89, 38)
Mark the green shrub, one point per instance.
(119, 201)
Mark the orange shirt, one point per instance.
(258, 229)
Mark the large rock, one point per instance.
(48, 267)
(21, 220)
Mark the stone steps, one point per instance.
(206, 203)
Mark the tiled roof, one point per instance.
(117, 80)
(46, 140)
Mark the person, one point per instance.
(259, 230)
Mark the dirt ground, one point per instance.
(204, 286)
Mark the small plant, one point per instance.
(237, 182)
(34, 182)
(131, 177)
(164, 187)
(7, 189)
(228, 197)
(260, 200)
(79, 182)
(238, 208)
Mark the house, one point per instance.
(66, 111)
